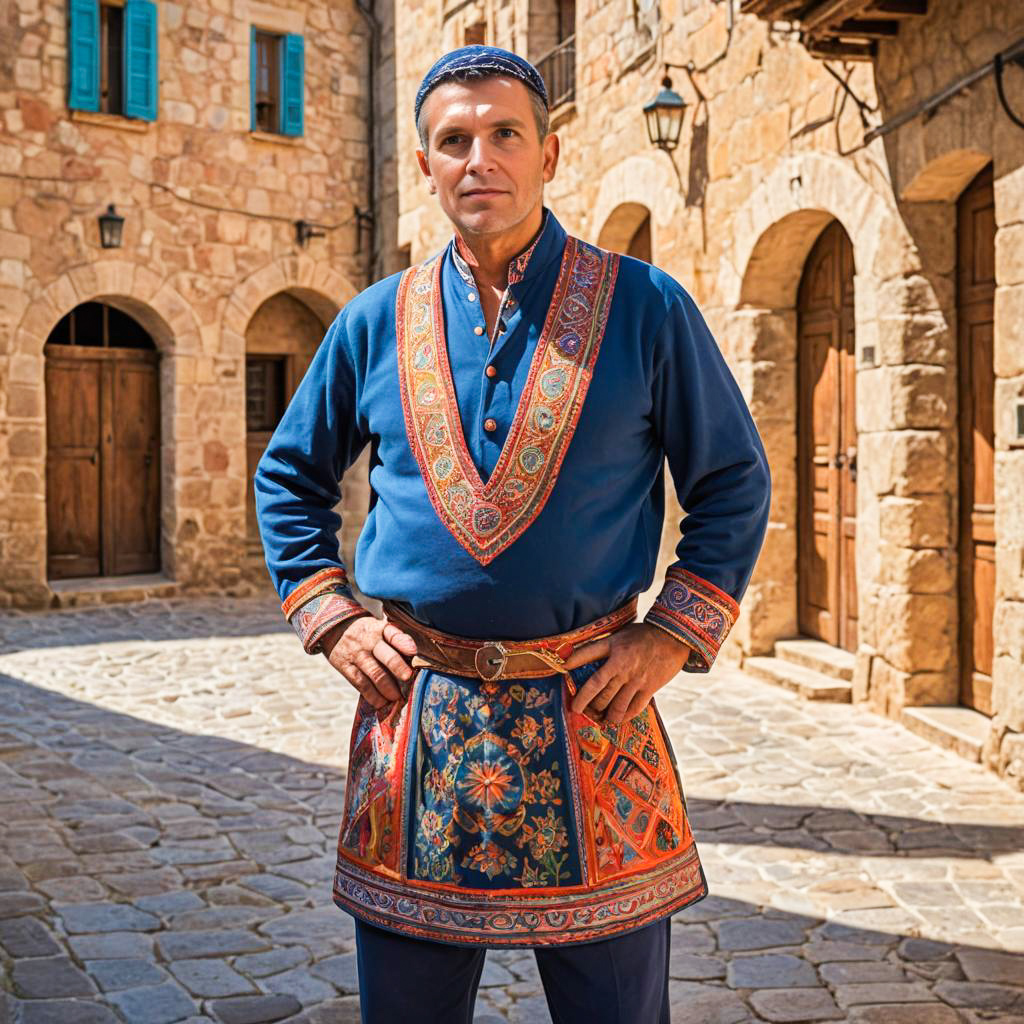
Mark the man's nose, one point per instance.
(480, 155)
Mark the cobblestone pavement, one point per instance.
(170, 784)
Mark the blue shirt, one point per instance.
(659, 388)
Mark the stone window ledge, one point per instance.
(125, 124)
(283, 140)
(562, 114)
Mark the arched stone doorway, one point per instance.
(827, 443)
(102, 445)
(975, 307)
(280, 341)
(628, 230)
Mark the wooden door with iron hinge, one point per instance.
(976, 230)
(103, 461)
(827, 443)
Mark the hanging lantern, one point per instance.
(111, 225)
(665, 117)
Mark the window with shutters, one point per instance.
(277, 86)
(112, 52)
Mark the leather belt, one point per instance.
(503, 659)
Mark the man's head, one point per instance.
(482, 119)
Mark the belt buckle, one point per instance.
(490, 660)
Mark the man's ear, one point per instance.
(421, 159)
(551, 150)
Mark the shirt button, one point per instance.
(491, 371)
(478, 330)
(471, 296)
(490, 425)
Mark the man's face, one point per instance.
(484, 158)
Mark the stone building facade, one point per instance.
(137, 382)
(866, 287)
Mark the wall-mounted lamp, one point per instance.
(111, 226)
(665, 117)
(305, 230)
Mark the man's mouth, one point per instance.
(484, 192)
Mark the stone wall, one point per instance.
(209, 236)
(770, 155)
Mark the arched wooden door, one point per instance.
(976, 285)
(103, 446)
(827, 443)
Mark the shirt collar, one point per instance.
(549, 243)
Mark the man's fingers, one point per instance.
(392, 660)
(589, 652)
(640, 700)
(591, 688)
(616, 710)
(379, 675)
(401, 642)
(611, 690)
(362, 682)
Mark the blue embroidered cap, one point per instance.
(484, 58)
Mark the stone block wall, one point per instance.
(209, 235)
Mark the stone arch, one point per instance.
(944, 178)
(773, 233)
(904, 440)
(314, 283)
(171, 322)
(634, 184)
(321, 290)
(622, 225)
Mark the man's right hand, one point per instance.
(372, 654)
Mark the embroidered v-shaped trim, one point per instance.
(486, 518)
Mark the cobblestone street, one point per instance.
(171, 776)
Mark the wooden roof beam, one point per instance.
(862, 28)
(829, 11)
(835, 49)
(897, 9)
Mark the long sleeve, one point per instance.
(722, 481)
(297, 488)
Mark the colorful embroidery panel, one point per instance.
(492, 809)
(372, 819)
(505, 819)
(696, 612)
(486, 519)
(320, 603)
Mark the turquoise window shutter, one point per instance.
(292, 85)
(140, 59)
(84, 55)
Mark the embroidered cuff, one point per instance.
(696, 612)
(320, 603)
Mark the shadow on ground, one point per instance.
(151, 875)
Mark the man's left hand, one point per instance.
(641, 660)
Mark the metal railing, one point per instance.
(558, 69)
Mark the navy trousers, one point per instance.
(623, 980)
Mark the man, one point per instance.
(510, 780)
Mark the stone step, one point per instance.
(83, 592)
(804, 681)
(817, 655)
(958, 729)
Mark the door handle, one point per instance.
(838, 460)
(851, 461)
(92, 457)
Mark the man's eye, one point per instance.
(511, 131)
(450, 138)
